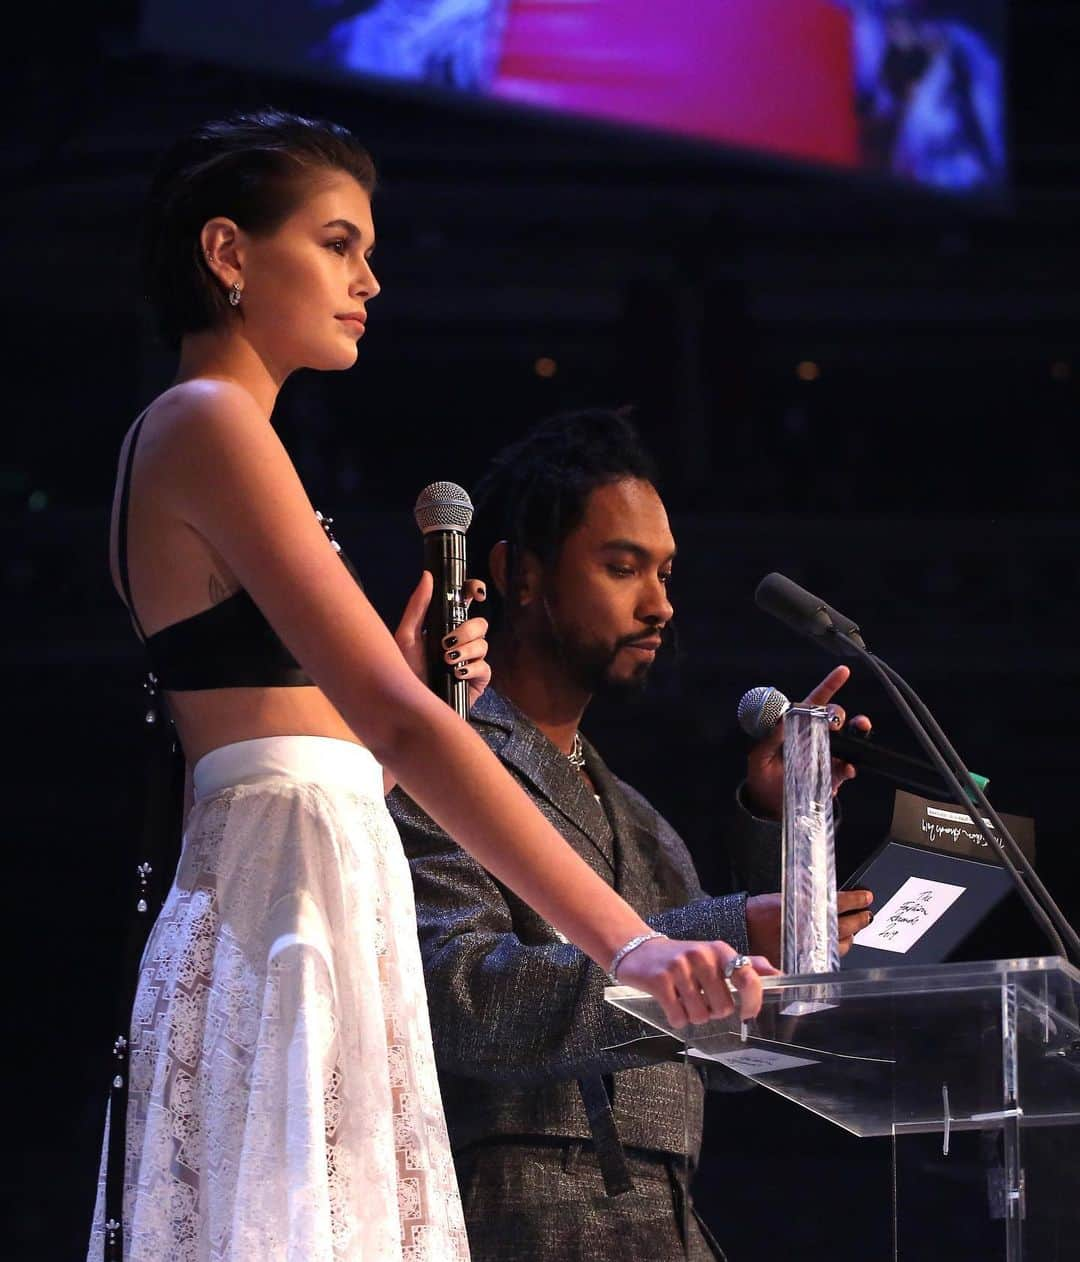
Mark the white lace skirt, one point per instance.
(283, 1100)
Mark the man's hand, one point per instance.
(465, 656)
(853, 912)
(765, 762)
(763, 912)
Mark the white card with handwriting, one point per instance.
(916, 905)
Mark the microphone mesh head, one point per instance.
(443, 506)
(760, 710)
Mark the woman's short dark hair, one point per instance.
(535, 491)
(253, 168)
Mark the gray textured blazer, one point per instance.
(518, 1015)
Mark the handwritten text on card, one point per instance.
(916, 905)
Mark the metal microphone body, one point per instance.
(444, 513)
(761, 708)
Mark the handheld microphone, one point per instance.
(444, 513)
(760, 709)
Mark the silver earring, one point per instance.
(234, 294)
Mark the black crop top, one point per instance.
(229, 645)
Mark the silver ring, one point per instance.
(736, 961)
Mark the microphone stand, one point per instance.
(1032, 891)
(1035, 896)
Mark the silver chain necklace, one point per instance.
(576, 756)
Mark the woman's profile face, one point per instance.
(305, 287)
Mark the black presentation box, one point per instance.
(933, 879)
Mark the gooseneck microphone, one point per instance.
(760, 709)
(809, 615)
(444, 513)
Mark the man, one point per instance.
(570, 1144)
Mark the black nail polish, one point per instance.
(454, 655)
(450, 641)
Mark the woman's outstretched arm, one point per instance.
(228, 477)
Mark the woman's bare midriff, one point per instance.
(205, 720)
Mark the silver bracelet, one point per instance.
(627, 947)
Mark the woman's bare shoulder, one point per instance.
(203, 434)
(178, 460)
(198, 409)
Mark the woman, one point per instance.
(283, 1098)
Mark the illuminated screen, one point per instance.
(910, 88)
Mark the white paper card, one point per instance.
(759, 1060)
(916, 905)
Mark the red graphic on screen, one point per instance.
(778, 75)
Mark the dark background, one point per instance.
(924, 482)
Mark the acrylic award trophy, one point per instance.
(809, 938)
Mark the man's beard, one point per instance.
(592, 666)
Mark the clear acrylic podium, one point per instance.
(991, 1047)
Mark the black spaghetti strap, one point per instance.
(122, 526)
